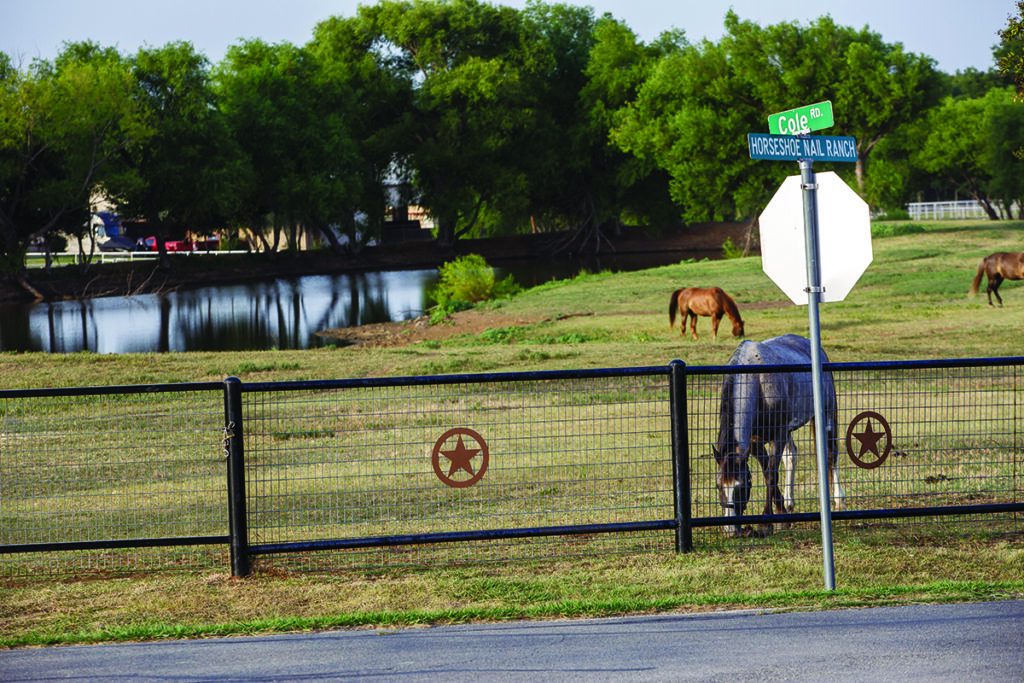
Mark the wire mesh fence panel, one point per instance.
(84, 470)
(933, 437)
(908, 437)
(367, 462)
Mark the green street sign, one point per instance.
(802, 120)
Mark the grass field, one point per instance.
(912, 303)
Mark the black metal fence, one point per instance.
(475, 468)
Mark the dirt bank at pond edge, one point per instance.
(143, 277)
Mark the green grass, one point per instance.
(164, 606)
(911, 303)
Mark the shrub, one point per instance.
(469, 280)
(731, 250)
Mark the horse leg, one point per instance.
(715, 319)
(692, 317)
(993, 288)
(788, 453)
(838, 494)
(773, 497)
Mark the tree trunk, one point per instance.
(336, 246)
(445, 232)
(22, 279)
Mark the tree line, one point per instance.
(495, 120)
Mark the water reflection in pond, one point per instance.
(281, 314)
(278, 314)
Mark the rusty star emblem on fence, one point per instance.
(460, 457)
(869, 440)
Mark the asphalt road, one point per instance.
(969, 642)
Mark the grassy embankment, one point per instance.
(911, 303)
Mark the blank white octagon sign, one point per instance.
(844, 238)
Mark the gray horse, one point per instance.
(764, 408)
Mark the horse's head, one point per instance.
(737, 328)
(733, 480)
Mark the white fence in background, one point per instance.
(119, 256)
(37, 260)
(958, 210)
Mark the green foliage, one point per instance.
(495, 119)
(1011, 52)
(571, 338)
(697, 98)
(186, 174)
(731, 250)
(894, 215)
(470, 280)
(884, 187)
(889, 230)
(63, 128)
(439, 313)
(971, 142)
(473, 73)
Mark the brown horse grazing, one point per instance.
(713, 302)
(1008, 265)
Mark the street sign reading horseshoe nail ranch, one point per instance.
(797, 147)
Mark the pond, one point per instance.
(277, 314)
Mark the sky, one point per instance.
(958, 34)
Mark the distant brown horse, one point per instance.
(694, 301)
(1008, 265)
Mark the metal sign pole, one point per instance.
(814, 289)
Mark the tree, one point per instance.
(357, 80)
(970, 143)
(299, 153)
(690, 118)
(184, 177)
(1010, 52)
(1004, 128)
(696, 109)
(61, 125)
(472, 72)
(579, 178)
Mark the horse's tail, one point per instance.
(977, 278)
(673, 306)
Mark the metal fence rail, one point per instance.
(477, 468)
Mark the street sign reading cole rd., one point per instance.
(795, 148)
(802, 119)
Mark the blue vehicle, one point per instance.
(116, 240)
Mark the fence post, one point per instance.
(680, 456)
(238, 530)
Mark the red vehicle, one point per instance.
(149, 244)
